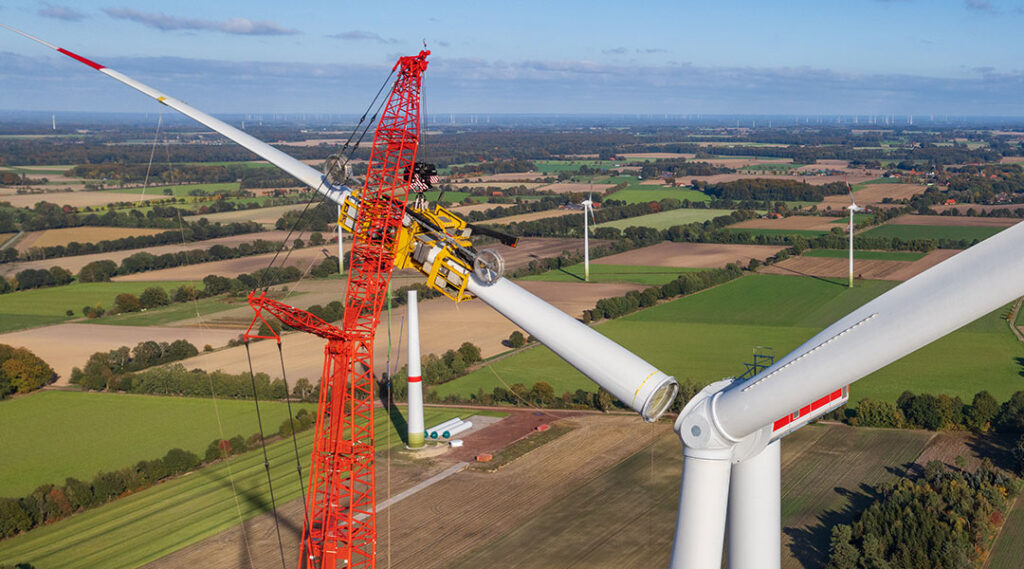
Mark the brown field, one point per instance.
(74, 264)
(75, 199)
(570, 187)
(956, 221)
(502, 185)
(603, 495)
(693, 255)
(869, 269)
(54, 237)
(300, 258)
(802, 222)
(451, 324)
(465, 209)
(872, 193)
(1011, 159)
(742, 162)
(267, 216)
(64, 346)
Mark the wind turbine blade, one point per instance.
(592, 218)
(305, 173)
(635, 382)
(914, 314)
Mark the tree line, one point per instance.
(190, 231)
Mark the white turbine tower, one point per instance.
(588, 207)
(853, 208)
(415, 412)
(730, 430)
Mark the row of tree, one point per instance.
(942, 412)
(105, 370)
(49, 503)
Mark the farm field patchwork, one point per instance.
(666, 219)
(1008, 550)
(143, 527)
(707, 336)
(951, 232)
(613, 273)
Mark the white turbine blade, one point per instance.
(635, 382)
(753, 528)
(305, 173)
(590, 207)
(915, 313)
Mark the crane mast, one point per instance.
(341, 529)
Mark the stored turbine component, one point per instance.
(488, 266)
(415, 411)
(435, 431)
(452, 431)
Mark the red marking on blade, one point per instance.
(88, 62)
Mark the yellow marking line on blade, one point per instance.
(637, 392)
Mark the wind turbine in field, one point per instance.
(730, 431)
(588, 207)
(853, 208)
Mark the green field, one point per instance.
(666, 219)
(955, 233)
(865, 255)
(172, 312)
(52, 435)
(555, 166)
(709, 335)
(140, 528)
(653, 194)
(613, 274)
(41, 306)
(181, 191)
(775, 232)
(1008, 550)
(629, 511)
(857, 218)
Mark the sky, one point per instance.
(682, 57)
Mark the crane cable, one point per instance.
(323, 196)
(266, 460)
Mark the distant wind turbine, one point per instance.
(854, 208)
(588, 206)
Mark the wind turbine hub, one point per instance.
(488, 266)
(702, 437)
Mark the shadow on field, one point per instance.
(810, 545)
(399, 422)
(257, 535)
(843, 284)
(573, 275)
(1020, 362)
(997, 447)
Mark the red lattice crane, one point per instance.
(341, 529)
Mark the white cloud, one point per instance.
(361, 35)
(160, 21)
(59, 12)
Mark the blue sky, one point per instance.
(961, 57)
